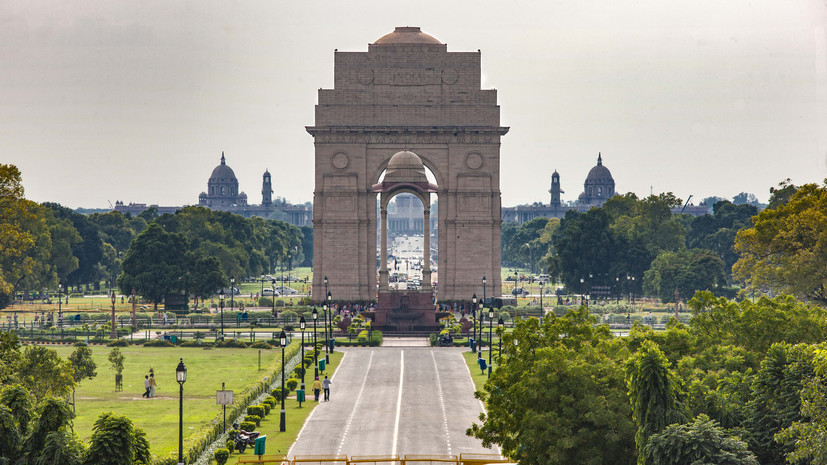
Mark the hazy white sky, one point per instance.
(135, 100)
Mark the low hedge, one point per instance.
(210, 431)
(255, 410)
(221, 456)
(253, 418)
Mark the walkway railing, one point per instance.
(407, 459)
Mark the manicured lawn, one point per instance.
(206, 370)
(279, 443)
(476, 375)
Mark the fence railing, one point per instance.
(407, 459)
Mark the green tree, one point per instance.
(205, 277)
(61, 447)
(116, 360)
(83, 366)
(558, 395)
(89, 251)
(653, 392)
(17, 399)
(52, 416)
(114, 442)
(699, 442)
(9, 436)
(785, 248)
(686, 271)
(9, 355)
(807, 437)
(15, 241)
(43, 373)
(154, 264)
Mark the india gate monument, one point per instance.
(404, 106)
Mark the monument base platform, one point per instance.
(406, 311)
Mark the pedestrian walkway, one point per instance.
(406, 342)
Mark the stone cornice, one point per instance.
(407, 134)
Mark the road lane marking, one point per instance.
(307, 419)
(398, 401)
(442, 404)
(355, 405)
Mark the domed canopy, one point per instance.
(405, 166)
(223, 171)
(599, 173)
(407, 35)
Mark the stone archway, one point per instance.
(407, 92)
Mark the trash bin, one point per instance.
(259, 446)
(321, 365)
(173, 339)
(483, 365)
(300, 395)
(473, 344)
(332, 344)
(167, 338)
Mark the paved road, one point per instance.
(395, 400)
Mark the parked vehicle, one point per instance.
(269, 292)
(284, 290)
(519, 291)
(244, 439)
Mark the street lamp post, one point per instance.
(479, 348)
(581, 291)
(232, 293)
(283, 419)
(114, 333)
(302, 325)
(330, 333)
(479, 343)
(274, 299)
(181, 377)
(60, 308)
(221, 307)
(474, 318)
(617, 289)
(500, 326)
(315, 350)
(490, 338)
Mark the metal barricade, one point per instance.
(320, 459)
(480, 459)
(421, 459)
(264, 459)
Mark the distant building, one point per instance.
(223, 194)
(598, 187)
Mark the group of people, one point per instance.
(149, 385)
(319, 385)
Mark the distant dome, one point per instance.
(405, 166)
(406, 35)
(222, 171)
(599, 173)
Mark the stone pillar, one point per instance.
(383, 251)
(426, 266)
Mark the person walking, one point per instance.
(152, 385)
(326, 386)
(317, 387)
(146, 386)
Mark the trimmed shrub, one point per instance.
(270, 400)
(231, 444)
(252, 418)
(308, 361)
(291, 384)
(255, 410)
(277, 393)
(298, 370)
(158, 343)
(260, 345)
(267, 409)
(232, 344)
(221, 456)
(232, 433)
(247, 426)
(119, 343)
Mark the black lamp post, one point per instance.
(302, 325)
(617, 288)
(326, 340)
(479, 343)
(221, 307)
(500, 326)
(232, 293)
(474, 318)
(60, 307)
(114, 333)
(181, 377)
(274, 299)
(283, 419)
(490, 338)
(479, 346)
(581, 291)
(628, 286)
(315, 351)
(330, 334)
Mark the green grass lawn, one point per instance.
(206, 370)
(476, 375)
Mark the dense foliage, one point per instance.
(743, 383)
